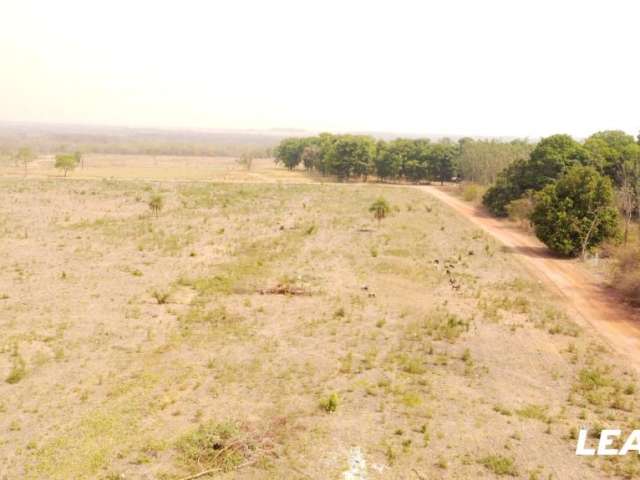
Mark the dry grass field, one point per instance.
(263, 326)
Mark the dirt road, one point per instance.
(595, 304)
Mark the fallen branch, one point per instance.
(283, 290)
(215, 470)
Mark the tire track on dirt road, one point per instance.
(595, 304)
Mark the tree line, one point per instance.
(573, 192)
(403, 159)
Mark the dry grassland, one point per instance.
(274, 330)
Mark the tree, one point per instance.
(311, 156)
(289, 152)
(25, 156)
(549, 160)
(156, 202)
(441, 162)
(576, 213)
(388, 161)
(629, 192)
(66, 163)
(480, 161)
(380, 209)
(506, 189)
(351, 155)
(609, 151)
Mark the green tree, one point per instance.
(506, 189)
(550, 159)
(441, 166)
(610, 150)
(480, 161)
(388, 161)
(351, 155)
(380, 209)
(629, 192)
(289, 152)
(66, 163)
(576, 213)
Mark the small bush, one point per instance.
(520, 210)
(330, 403)
(499, 465)
(18, 371)
(212, 445)
(536, 412)
(380, 209)
(470, 192)
(160, 296)
(156, 202)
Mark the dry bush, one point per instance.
(520, 211)
(471, 192)
(626, 274)
(228, 446)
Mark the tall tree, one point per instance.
(66, 163)
(548, 161)
(576, 213)
(351, 155)
(289, 152)
(609, 150)
(441, 166)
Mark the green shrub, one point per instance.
(380, 209)
(499, 465)
(330, 403)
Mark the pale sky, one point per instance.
(512, 67)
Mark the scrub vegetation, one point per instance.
(256, 324)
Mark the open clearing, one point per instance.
(274, 330)
(599, 307)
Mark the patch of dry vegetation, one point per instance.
(626, 274)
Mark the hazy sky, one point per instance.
(512, 67)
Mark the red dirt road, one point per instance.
(597, 305)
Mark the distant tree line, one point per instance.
(412, 160)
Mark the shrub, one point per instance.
(156, 202)
(470, 192)
(626, 273)
(160, 297)
(380, 209)
(499, 465)
(330, 403)
(18, 371)
(212, 445)
(520, 210)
